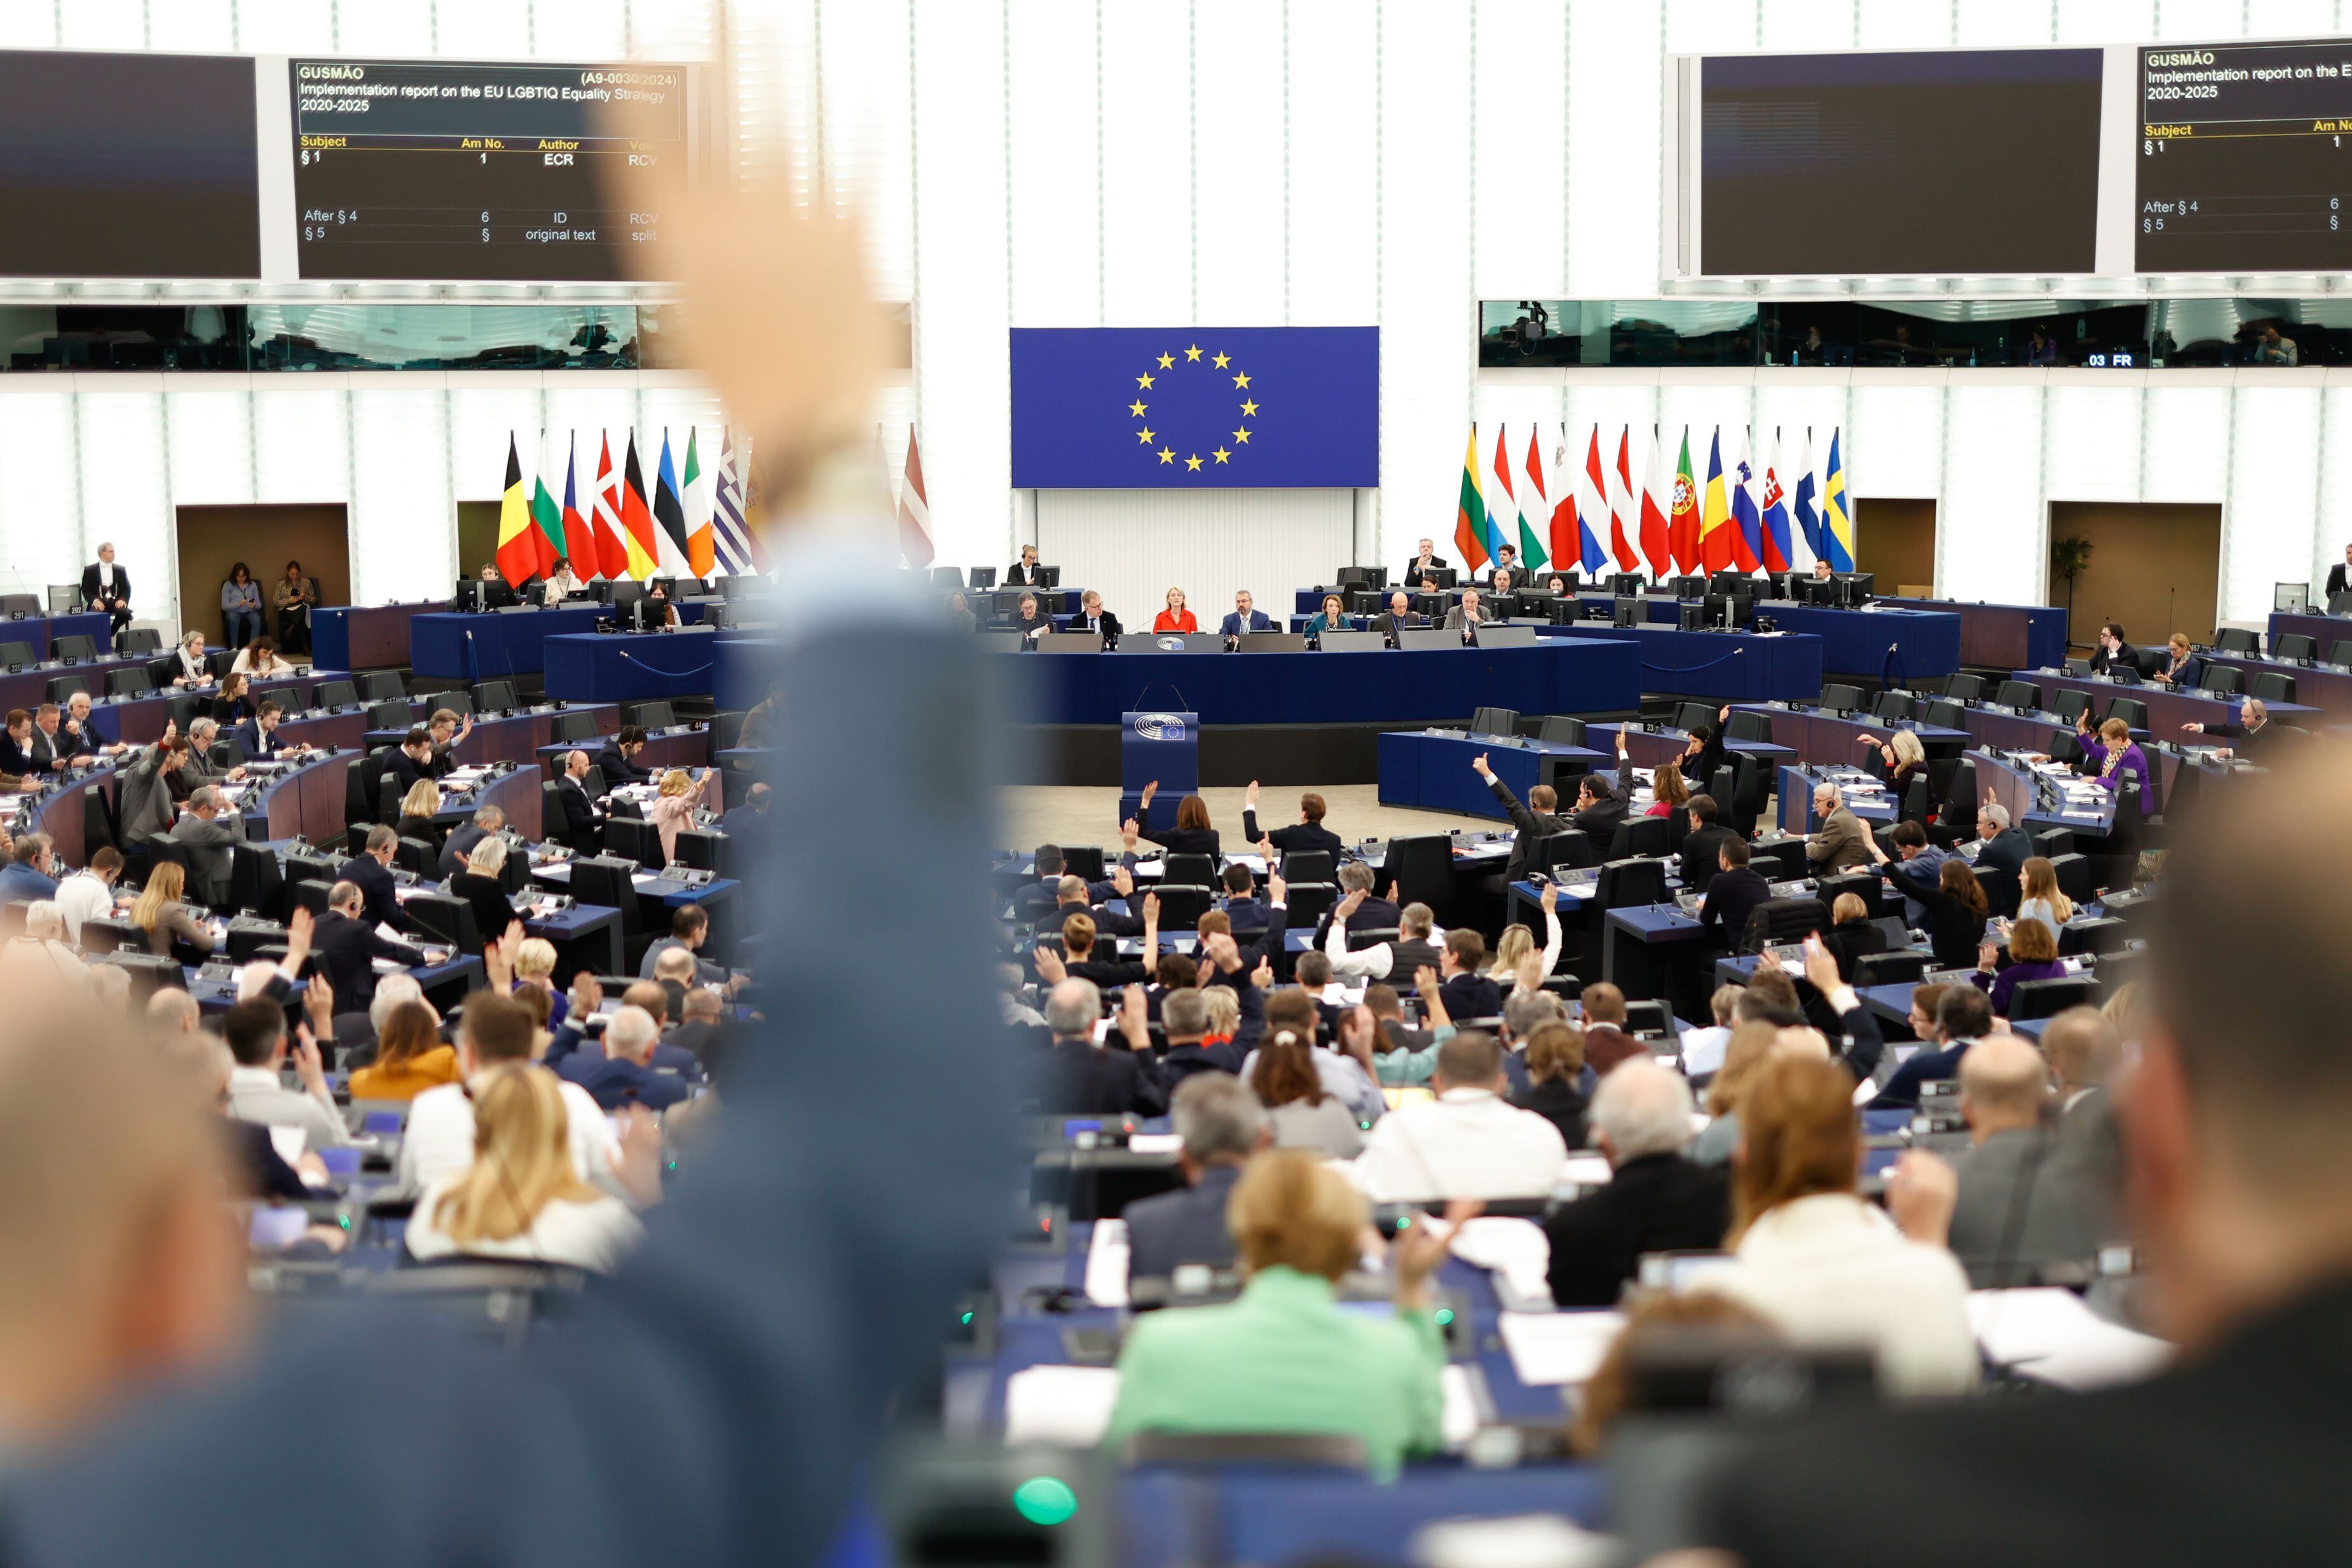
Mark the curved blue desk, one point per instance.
(1734, 666)
(496, 646)
(1925, 642)
(1561, 675)
(632, 666)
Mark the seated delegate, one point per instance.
(1332, 617)
(1176, 617)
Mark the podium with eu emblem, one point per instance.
(1162, 744)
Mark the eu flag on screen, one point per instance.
(1172, 408)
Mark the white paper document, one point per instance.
(1107, 1264)
(1557, 1348)
(2051, 1336)
(1516, 1249)
(1069, 1406)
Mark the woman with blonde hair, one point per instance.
(1176, 617)
(409, 1057)
(1224, 1015)
(1517, 944)
(2041, 899)
(1901, 759)
(1828, 1269)
(417, 810)
(534, 969)
(160, 914)
(675, 806)
(1284, 1357)
(521, 1197)
(1303, 1114)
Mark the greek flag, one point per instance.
(734, 540)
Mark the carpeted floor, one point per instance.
(1037, 814)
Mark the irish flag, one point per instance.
(516, 555)
(701, 544)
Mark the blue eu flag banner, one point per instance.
(1115, 408)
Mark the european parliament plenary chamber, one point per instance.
(1212, 901)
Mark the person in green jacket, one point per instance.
(1284, 1357)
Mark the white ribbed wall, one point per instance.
(1247, 162)
(1134, 545)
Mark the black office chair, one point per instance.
(1182, 904)
(1914, 806)
(605, 884)
(1494, 721)
(62, 687)
(655, 714)
(2102, 936)
(1560, 729)
(2295, 646)
(2018, 695)
(574, 725)
(17, 654)
(149, 972)
(419, 856)
(2237, 640)
(2070, 705)
(2052, 842)
(702, 849)
(1890, 970)
(1311, 901)
(1422, 867)
(2001, 890)
(1572, 848)
(1893, 706)
(2339, 654)
(1648, 836)
(310, 896)
(1841, 698)
(2221, 680)
(388, 795)
(129, 683)
(1191, 868)
(1943, 713)
(383, 687)
(137, 640)
(1965, 688)
(1781, 920)
(1753, 727)
(1689, 715)
(2047, 998)
(335, 693)
(634, 839)
(389, 715)
(2074, 872)
(1866, 885)
(227, 752)
(1307, 866)
(1630, 883)
(1750, 781)
(460, 703)
(494, 697)
(255, 882)
(442, 917)
(2131, 710)
(2271, 686)
(726, 729)
(106, 934)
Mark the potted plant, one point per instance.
(2069, 557)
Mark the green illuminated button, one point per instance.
(1043, 1500)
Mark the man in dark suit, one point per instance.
(349, 945)
(1535, 822)
(620, 1073)
(1732, 895)
(2237, 1156)
(1963, 1016)
(2254, 732)
(1467, 993)
(1702, 854)
(1470, 614)
(2113, 653)
(1425, 559)
(2006, 847)
(1599, 810)
(1076, 1077)
(488, 820)
(1184, 1022)
(579, 827)
(258, 735)
(16, 745)
(2016, 1210)
(1306, 834)
(617, 759)
(106, 586)
(1221, 1125)
(748, 822)
(1506, 565)
(1655, 1200)
(2335, 583)
(208, 829)
(445, 731)
(51, 748)
(1093, 618)
(369, 871)
(1242, 909)
(1398, 617)
(411, 760)
(1371, 913)
(1244, 617)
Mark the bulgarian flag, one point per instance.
(579, 542)
(701, 543)
(516, 555)
(610, 559)
(1470, 512)
(637, 517)
(546, 517)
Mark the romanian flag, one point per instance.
(579, 540)
(1470, 512)
(1682, 515)
(516, 555)
(611, 557)
(1714, 511)
(546, 518)
(701, 543)
(1837, 519)
(636, 518)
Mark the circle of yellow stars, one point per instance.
(1193, 462)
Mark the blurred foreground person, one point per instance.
(2236, 1166)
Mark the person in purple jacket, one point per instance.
(2124, 759)
(2032, 956)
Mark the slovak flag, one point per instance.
(1775, 504)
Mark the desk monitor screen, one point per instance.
(1628, 611)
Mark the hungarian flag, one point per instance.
(516, 555)
(914, 511)
(701, 544)
(636, 518)
(669, 516)
(546, 518)
(1657, 538)
(579, 542)
(735, 549)
(1470, 511)
(1534, 502)
(1682, 513)
(611, 560)
(1715, 528)
(1622, 523)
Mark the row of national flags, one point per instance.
(1768, 512)
(680, 528)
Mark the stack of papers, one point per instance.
(1556, 1349)
(2051, 1336)
(1068, 1406)
(1107, 1254)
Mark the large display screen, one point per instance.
(1943, 162)
(128, 166)
(416, 169)
(2245, 158)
